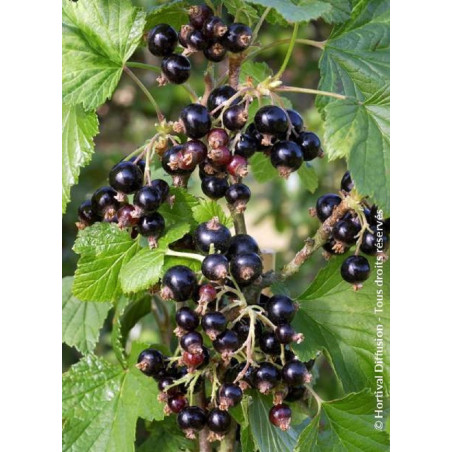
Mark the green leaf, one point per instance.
(101, 404)
(308, 177)
(206, 210)
(82, 320)
(240, 414)
(79, 128)
(181, 210)
(242, 12)
(338, 11)
(257, 71)
(344, 425)
(343, 324)
(261, 167)
(104, 250)
(99, 36)
(171, 13)
(267, 437)
(171, 261)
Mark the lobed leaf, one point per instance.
(207, 209)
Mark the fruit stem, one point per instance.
(309, 42)
(259, 24)
(138, 65)
(146, 92)
(296, 89)
(228, 444)
(288, 53)
(235, 62)
(317, 398)
(193, 96)
(239, 222)
(193, 256)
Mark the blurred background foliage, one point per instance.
(277, 215)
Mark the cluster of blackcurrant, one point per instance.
(224, 341)
(111, 204)
(205, 32)
(362, 227)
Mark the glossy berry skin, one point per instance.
(229, 395)
(296, 120)
(280, 416)
(219, 96)
(234, 370)
(346, 230)
(281, 309)
(242, 328)
(214, 323)
(285, 333)
(355, 269)
(238, 192)
(197, 149)
(197, 40)
(295, 393)
(214, 27)
(104, 199)
(214, 187)
(127, 216)
(215, 267)
(271, 120)
(235, 117)
(246, 146)
(242, 244)
(219, 421)
(162, 40)
(372, 243)
(347, 183)
(286, 156)
(206, 294)
(86, 214)
(192, 418)
(246, 268)
(150, 362)
(198, 14)
(263, 301)
(227, 341)
(238, 38)
(191, 342)
(310, 145)
(172, 161)
(151, 225)
(177, 403)
(238, 166)
(294, 373)
(181, 282)
(220, 157)
(176, 68)
(266, 377)
(217, 137)
(187, 319)
(126, 177)
(252, 131)
(148, 199)
(165, 383)
(269, 344)
(196, 120)
(197, 360)
(325, 205)
(212, 233)
(162, 186)
(215, 52)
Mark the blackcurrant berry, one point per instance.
(197, 40)
(177, 403)
(271, 120)
(184, 243)
(263, 301)
(217, 137)
(173, 161)
(242, 244)
(196, 360)
(269, 344)
(234, 370)
(215, 267)
(346, 230)
(126, 177)
(286, 157)
(148, 199)
(331, 247)
(310, 145)
(252, 131)
(235, 117)
(164, 386)
(179, 283)
(196, 120)
(197, 149)
(295, 393)
(198, 14)
(214, 27)
(355, 269)
(162, 40)
(238, 166)
(151, 225)
(246, 268)
(347, 183)
(86, 214)
(229, 395)
(246, 146)
(212, 233)
(104, 202)
(286, 334)
(266, 377)
(150, 361)
(219, 96)
(227, 342)
(295, 373)
(127, 216)
(238, 193)
(162, 186)
(215, 52)
(176, 68)
(214, 323)
(296, 120)
(280, 416)
(325, 205)
(238, 38)
(187, 319)
(219, 421)
(192, 418)
(207, 293)
(220, 157)
(214, 187)
(374, 241)
(242, 328)
(141, 164)
(281, 309)
(192, 342)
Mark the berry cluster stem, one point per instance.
(296, 89)
(288, 53)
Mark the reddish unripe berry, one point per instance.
(220, 156)
(238, 166)
(177, 403)
(217, 137)
(280, 416)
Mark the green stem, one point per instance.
(146, 92)
(295, 89)
(193, 256)
(288, 53)
(259, 24)
(317, 398)
(138, 65)
(193, 96)
(309, 42)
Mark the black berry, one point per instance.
(215, 267)
(162, 186)
(215, 52)
(196, 120)
(346, 230)
(148, 199)
(355, 269)
(281, 309)
(176, 68)
(226, 342)
(217, 137)
(238, 166)
(295, 373)
(242, 244)
(177, 403)
(214, 27)
(271, 120)
(198, 14)
(286, 334)
(104, 202)
(331, 247)
(347, 183)
(238, 192)
(296, 120)
(280, 416)
(150, 361)
(235, 117)
(187, 319)
(214, 187)
(179, 283)
(173, 161)
(269, 344)
(325, 205)
(295, 393)
(192, 342)
(214, 323)
(212, 233)
(266, 377)
(310, 145)
(219, 421)
(86, 214)
(246, 268)
(126, 177)
(162, 40)
(286, 157)
(242, 328)
(197, 40)
(374, 241)
(192, 418)
(151, 225)
(246, 146)
(229, 395)
(238, 37)
(219, 96)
